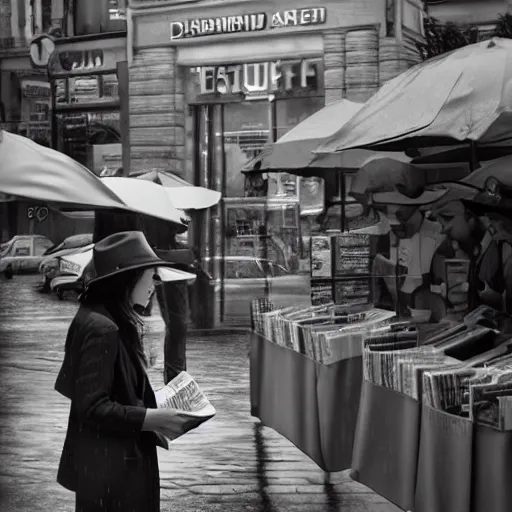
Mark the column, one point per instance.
(157, 117)
(334, 65)
(362, 63)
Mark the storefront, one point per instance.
(210, 85)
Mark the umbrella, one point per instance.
(293, 151)
(459, 97)
(32, 171)
(183, 195)
(147, 198)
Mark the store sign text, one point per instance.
(263, 77)
(247, 23)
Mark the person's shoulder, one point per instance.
(95, 321)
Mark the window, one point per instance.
(243, 269)
(279, 271)
(21, 248)
(41, 245)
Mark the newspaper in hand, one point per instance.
(183, 394)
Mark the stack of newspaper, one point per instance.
(183, 394)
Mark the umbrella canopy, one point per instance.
(293, 151)
(183, 195)
(461, 96)
(147, 198)
(32, 171)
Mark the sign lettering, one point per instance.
(39, 213)
(260, 78)
(247, 23)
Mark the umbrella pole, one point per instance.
(474, 164)
(341, 187)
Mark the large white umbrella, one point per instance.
(293, 152)
(147, 198)
(462, 96)
(29, 170)
(183, 195)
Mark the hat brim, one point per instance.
(480, 209)
(396, 198)
(164, 270)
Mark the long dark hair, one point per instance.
(114, 293)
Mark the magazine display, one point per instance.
(464, 370)
(341, 268)
(183, 394)
(325, 333)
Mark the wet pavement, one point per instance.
(228, 464)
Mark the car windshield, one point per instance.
(243, 269)
(279, 271)
(73, 242)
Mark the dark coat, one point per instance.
(106, 455)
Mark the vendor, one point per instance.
(495, 203)
(414, 243)
(470, 235)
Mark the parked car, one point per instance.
(49, 267)
(74, 270)
(23, 254)
(247, 278)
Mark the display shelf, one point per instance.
(315, 406)
(445, 463)
(386, 444)
(492, 470)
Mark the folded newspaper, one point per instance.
(183, 394)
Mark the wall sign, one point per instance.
(39, 213)
(247, 23)
(260, 78)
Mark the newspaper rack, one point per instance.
(313, 405)
(386, 444)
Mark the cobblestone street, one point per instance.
(230, 463)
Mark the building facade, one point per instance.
(211, 82)
(72, 103)
(480, 13)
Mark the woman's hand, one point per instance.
(169, 422)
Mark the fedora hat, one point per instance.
(397, 198)
(495, 198)
(129, 250)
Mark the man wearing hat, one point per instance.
(415, 242)
(470, 238)
(495, 203)
(399, 189)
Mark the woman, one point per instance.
(109, 457)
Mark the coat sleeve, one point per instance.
(94, 384)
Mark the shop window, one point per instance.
(243, 269)
(88, 125)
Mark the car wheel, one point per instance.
(8, 272)
(60, 294)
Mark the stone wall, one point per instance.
(358, 62)
(157, 111)
(395, 57)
